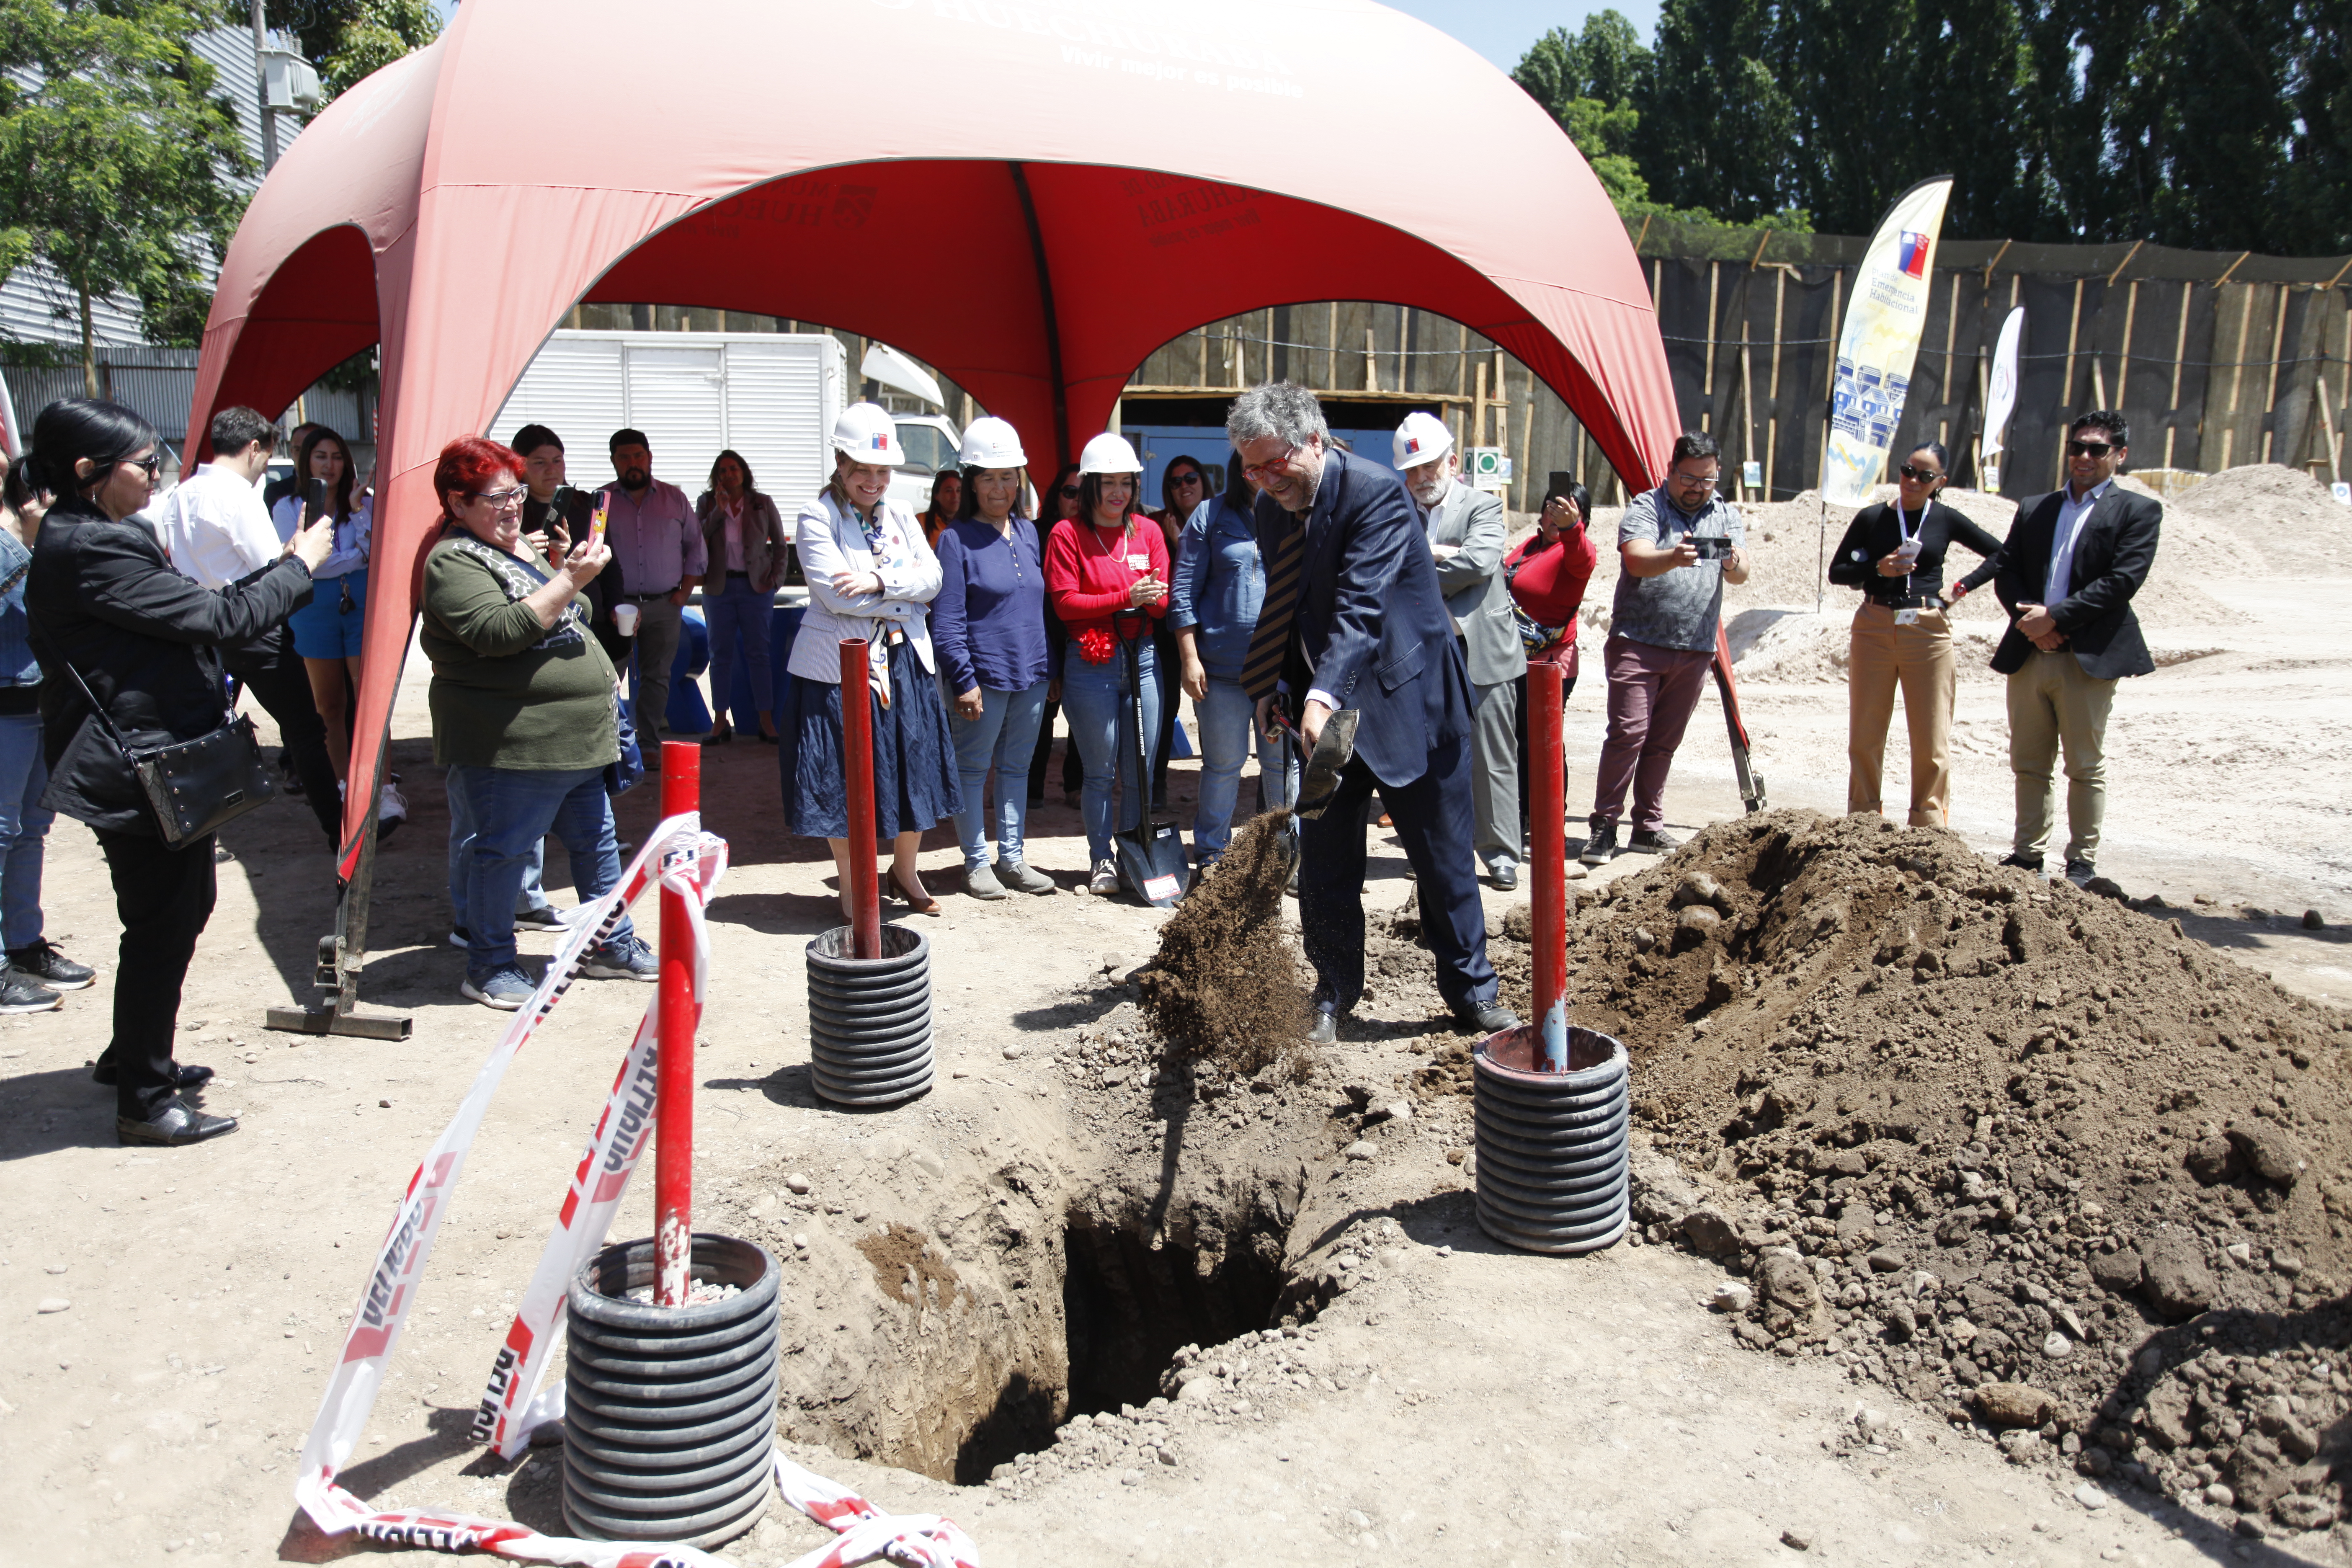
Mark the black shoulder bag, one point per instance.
(192, 786)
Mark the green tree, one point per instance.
(1717, 130)
(1586, 81)
(119, 164)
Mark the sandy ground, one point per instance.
(1465, 1405)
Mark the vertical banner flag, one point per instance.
(11, 440)
(1880, 341)
(2001, 398)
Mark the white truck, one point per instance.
(771, 396)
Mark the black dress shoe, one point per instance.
(185, 1074)
(1488, 1018)
(177, 1122)
(2022, 862)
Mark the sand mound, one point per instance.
(1227, 983)
(2270, 518)
(1979, 1129)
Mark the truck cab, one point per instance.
(932, 443)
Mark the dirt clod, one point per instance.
(1228, 984)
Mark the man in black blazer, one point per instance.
(1353, 619)
(2066, 574)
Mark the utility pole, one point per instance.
(261, 89)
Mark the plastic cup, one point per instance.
(624, 619)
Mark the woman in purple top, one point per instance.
(988, 626)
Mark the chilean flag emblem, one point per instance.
(1412, 445)
(1913, 251)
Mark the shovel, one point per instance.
(1332, 751)
(1152, 853)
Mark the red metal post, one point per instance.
(681, 791)
(857, 782)
(1548, 845)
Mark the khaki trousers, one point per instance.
(2052, 704)
(1918, 658)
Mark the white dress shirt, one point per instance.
(215, 529)
(2071, 515)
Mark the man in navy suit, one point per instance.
(2066, 574)
(1353, 619)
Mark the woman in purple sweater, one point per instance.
(988, 626)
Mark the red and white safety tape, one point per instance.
(690, 862)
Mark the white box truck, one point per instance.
(771, 396)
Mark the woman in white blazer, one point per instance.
(870, 577)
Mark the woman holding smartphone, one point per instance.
(1106, 578)
(1894, 552)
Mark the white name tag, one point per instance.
(1138, 562)
(1906, 618)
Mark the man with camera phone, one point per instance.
(1680, 543)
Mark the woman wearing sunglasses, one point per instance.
(1894, 552)
(115, 625)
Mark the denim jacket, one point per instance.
(17, 664)
(1220, 584)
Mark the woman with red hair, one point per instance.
(525, 713)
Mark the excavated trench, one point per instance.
(1019, 1296)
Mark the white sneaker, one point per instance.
(1105, 880)
(392, 806)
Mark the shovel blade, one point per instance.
(1335, 748)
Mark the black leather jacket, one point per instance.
(145, 639)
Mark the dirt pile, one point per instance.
(1227, 982)
(1968, 1128)
(2279, 516)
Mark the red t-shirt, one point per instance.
(1091, 572)
(1549, 584)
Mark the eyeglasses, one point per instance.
(1692, 482)
(1069, 492)
(1920, 474)
(151, 465)
(1279, 466)
(502, 500)
(1185, 479)
(2089, 448)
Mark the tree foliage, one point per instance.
(2216, 123)
(121, 165)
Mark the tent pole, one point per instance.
(1053, 320)
(342, 954)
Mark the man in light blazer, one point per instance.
(2066, 574)
(1466, 536)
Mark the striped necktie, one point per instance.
(1263, 668)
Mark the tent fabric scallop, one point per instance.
(1030, 196)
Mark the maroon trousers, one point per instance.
(1652, 693)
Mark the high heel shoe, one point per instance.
(918, 897)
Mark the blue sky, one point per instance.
(1500, 29)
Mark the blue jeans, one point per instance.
(1002, 738)
(23, 775)
(1228, 729)
(739, 611)
(533, 895)
(512, 809)
(1102, 721)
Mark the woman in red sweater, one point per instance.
(1107, 577)
(1548, 574)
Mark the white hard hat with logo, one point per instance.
(1422, 438)
(992, 443)
(867, 434)
(1110, 453)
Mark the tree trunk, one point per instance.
(89, 353)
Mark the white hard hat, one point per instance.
(1422, 438)
(992, 443)
(867, 434)
(1110, 453)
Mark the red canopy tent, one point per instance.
(1032, 196)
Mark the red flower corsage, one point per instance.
(1096, 645)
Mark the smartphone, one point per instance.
(597, 525)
